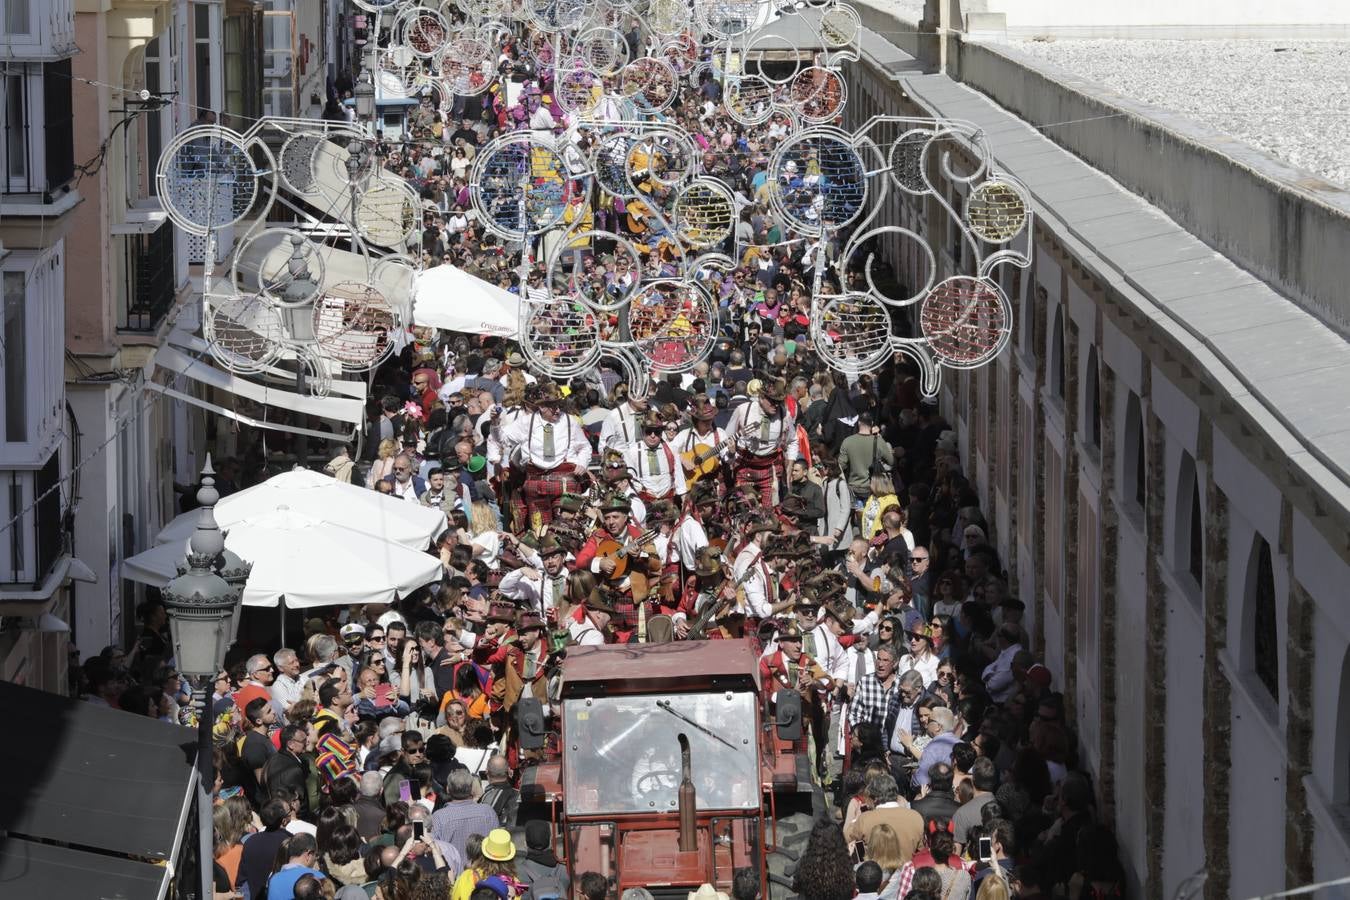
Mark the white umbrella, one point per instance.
(304, 560)
(326, 499)
(450, 298)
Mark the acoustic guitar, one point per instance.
(705, 459)
(698, 631)
(622, 553)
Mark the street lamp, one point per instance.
(203, 613)
(364, 94)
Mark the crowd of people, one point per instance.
(761, 496)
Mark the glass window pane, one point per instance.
(17, 20)
(16, 336)
(16, 144)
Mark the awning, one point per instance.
(114, 784)
(30, 869)
(344, 387)
(342, 409)
(65, 567)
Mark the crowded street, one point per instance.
(719, 475)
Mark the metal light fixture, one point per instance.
(364, 94)
(201, 604)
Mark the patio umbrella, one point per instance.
(303, 560)
(326, 499)
(450, 298)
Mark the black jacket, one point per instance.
(938, 806)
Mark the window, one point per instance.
(1195, 557)
(1057, 354)
(1092, 402)
(1135, 469)
(1340, 786)
(16, 126)
(1265, 624)
(16, 357)
(154, 126)
(201, 28)
(1190, 528)
(17, 18)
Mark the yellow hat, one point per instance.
(498, 846)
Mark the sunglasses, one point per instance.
(377, 662)
(375, 639)
(919, 558)
(448, 631)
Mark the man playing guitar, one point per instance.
(634, 556)
(703, 432)
(766, 441)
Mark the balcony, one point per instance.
(148, 290)
(38, 539)
(37, 136)
(37, 30)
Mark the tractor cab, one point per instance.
(668, 775)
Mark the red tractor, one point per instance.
(667, 771)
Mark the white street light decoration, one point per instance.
(622, 144)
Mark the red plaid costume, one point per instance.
(765, 473)
(540, 492)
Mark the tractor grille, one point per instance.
(672, 893)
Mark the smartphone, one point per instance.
(986, 848)
(384, 695)
(405, 791)
(227, 793)
(419, 829)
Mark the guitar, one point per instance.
(703, 459)
(622, 554)
(697, 631)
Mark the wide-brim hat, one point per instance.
(702, 409)
(616, 502)
(549, 392)
(707, 564)
(789, 632)
(703, 492)
(773, 389)
(662, 511)
(600, 601)
(515, 360)
(549, 545)
(572, 503)
(528, 621)
(793, 505)
(498, 846)
(755, 526)
(841, 613)
(652, 419)
(502, 611)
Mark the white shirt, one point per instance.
(621, 427)
(499, 446)
(656, 470)
(687, 438)
(406, 490)
(926, 665)
(285, 692)
(998, 676)
(585, 634)
(782, 432)
(828, 653)
(904, 723)
(569, 441)
(758, 599)
(689, 538)
(526, 584)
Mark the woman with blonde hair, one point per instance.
(883, 848)
(881, 499)
(496, 857)
(483, 535)
(384, 463)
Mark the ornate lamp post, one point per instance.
(203, 608)
(364, 94)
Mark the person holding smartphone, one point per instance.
(938, 854)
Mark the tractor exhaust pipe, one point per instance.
(687, 801)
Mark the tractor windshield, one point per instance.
(623, 753)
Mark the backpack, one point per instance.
(498, 799)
